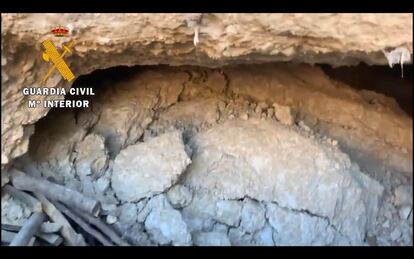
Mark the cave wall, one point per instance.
(106, 40)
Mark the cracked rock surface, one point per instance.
(107, 40)
(196, 156)
(271, 163)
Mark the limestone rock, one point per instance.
(166, 226)
(13, 211)
(211, 239)
(403, 195)
(136, 39)
(91, 156)
(228, 212)
(310, 92)
(284, 114)
(269, 162)
(87, 186)
(299, 228)
(101, 185)
(238, 238)
(179, 196)
(252, 216)
(128, 213)
(145, 169)
(110, 219)
(198, 215)
(264, 237)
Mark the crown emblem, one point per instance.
(60, 31)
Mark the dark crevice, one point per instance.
(380, 79)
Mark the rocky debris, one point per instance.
(179, 196)
(403, 195)
(240, 167)
(123, 113)
(165, 225)
(110, 219)
(394, 222)
(53, 147)
(128, 213)
(135, 234)
(101, 185)
(256, 158)
(309, 92)
(210, 239)
(301, 228)
(91, 156)
(275, 38)
(149, 168)
(13, 211)
(284, 114)
(195, 114)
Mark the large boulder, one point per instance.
(301, 176)
(149, 168)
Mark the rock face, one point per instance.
(333, 108)
(261, 180)
(107, 40)
(149, 168)
(253, 181)
(260, 159)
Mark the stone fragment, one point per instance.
(179, 196)
(91, 156)
(128, 213)
(101, 185)
(403, 195)
(166, 226)
(284, 114)
(110, 219)
(145, 169)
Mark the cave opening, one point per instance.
(183, 128)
